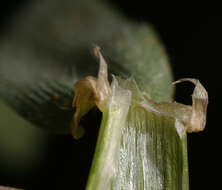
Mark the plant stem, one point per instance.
(137, 149)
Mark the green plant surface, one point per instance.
(137, 149)
(21, 145)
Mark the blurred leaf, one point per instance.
(47, 49)
(21, 145)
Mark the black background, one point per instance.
(192, 35)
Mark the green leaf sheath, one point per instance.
(137, 149)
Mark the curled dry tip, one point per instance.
(199, 90)
(197, 117)
(194, 81)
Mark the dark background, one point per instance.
(192, 35)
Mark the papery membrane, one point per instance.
(90, 91)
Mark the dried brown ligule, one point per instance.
(197, 120)
(193, 117)
(84, 100)
(88, 92)
(91, 91)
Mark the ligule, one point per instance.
(90, 91)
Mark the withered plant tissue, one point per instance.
(92, 91)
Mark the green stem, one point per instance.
(137, 149)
